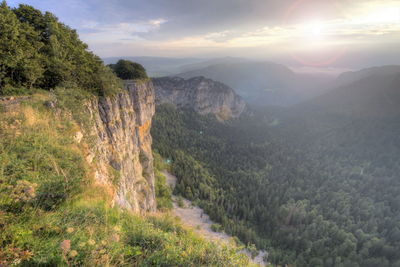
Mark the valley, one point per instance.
(195, 218)
(199, 133)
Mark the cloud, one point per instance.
(228, 27)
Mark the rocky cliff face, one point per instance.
(205, 96)
(121, 149)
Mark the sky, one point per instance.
(315, 33)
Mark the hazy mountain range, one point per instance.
(271, 84)
(372, 93)
(159, 66)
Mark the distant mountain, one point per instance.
(262, 83)
(353, 76)
(374, 96)
(203, 95)
(158, 66)
(214, 61)
(259, 83)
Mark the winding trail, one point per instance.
(195, 218)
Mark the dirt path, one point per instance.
(195, 218)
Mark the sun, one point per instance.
(314, 29)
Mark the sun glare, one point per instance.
(314, 30)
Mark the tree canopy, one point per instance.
(36, 50)
(128, 70)
(307, 197)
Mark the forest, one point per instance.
(310, 193)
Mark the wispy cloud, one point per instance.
(193, 27)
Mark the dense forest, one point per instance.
(310, 192)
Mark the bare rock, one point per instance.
(78, 137)
(203, 95)
(123, 144)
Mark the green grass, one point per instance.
(52, 214)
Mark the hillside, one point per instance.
(323, 182)
(375, 96)
(200, 94)
(353, 76)
(56, 210)
(78, 183)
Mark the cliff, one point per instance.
(66, 158)
(121, 151)
(203, 95)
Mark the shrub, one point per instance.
(128, 70)
(216, 227)
(163, 192)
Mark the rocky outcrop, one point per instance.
(203, 95)
(121, 147)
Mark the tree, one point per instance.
(20, 61)
(36, 50)
(128, 70)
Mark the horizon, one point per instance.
(340, 34)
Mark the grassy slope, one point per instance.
(53, 214)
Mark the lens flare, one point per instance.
(312, 32)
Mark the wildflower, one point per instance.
(102, 251)
(82, 244)
(103, 242)
(73, 253)
(65, 246)
(70, 230)
(91, 242)
(117, 228)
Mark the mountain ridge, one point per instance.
(203, 95)
(374, 96)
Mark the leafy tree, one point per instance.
(128, 70)
(20, 62)
(36, 50)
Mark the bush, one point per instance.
(216, 227)
(163, 192)
(9, 90)
(128, 70)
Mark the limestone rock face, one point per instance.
(203, 95)
(121, 149)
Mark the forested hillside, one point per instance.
(312, 193)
